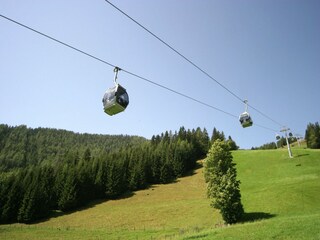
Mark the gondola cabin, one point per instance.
(115, 100)
(245, 120)
(278, 137)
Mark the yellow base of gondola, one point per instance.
(114, 109)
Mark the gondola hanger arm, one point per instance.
(246, 105)
(116, 70)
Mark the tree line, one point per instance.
(49, 169)
(312, 135)
(282, 142)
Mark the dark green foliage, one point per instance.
(14, 186)
(312, 135)
(217, 135)
(87, 155)
(85, 180)
(223, 188)
(137, 169)
(100, 176)
(68, 195)
(47, 169)
(201, 142)
(267, 146)
(232, 144)
(166, 173)
(116, 179)
(14, 145)
(21, 146)
(37, 200)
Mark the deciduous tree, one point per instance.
(222, 186)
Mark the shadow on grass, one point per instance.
(302, 155)
(57, 213)
(256, 216)
(193, 171)
(196, 237)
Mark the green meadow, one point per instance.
(280, 196)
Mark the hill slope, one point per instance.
(280, 197)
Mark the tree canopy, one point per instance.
(223, 188)
(312, 135)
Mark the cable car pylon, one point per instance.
(285, 130)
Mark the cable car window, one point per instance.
(122, 96)
(245, 120)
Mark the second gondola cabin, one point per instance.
(245, 120)
(115, 100)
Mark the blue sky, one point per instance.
(265, 51)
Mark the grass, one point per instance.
(273, 183)
(280, 197)
(299, 227)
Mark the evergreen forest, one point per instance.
(45, 170)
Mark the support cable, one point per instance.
(126, 71)
(58, 41)
(189, 61)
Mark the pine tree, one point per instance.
(222, 186)
(87, 155)
(166, 173)
(27, 210)
(136, 170)
(100, 178)
(14, 197)
(232, 144)
(178, 163)
(5, 189)
(313, 135)
(217, 135)
(68, 199)
(116, 179)
(201, 142)
(85, 180)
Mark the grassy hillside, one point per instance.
(280, 196)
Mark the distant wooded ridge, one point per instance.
(21, 146)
